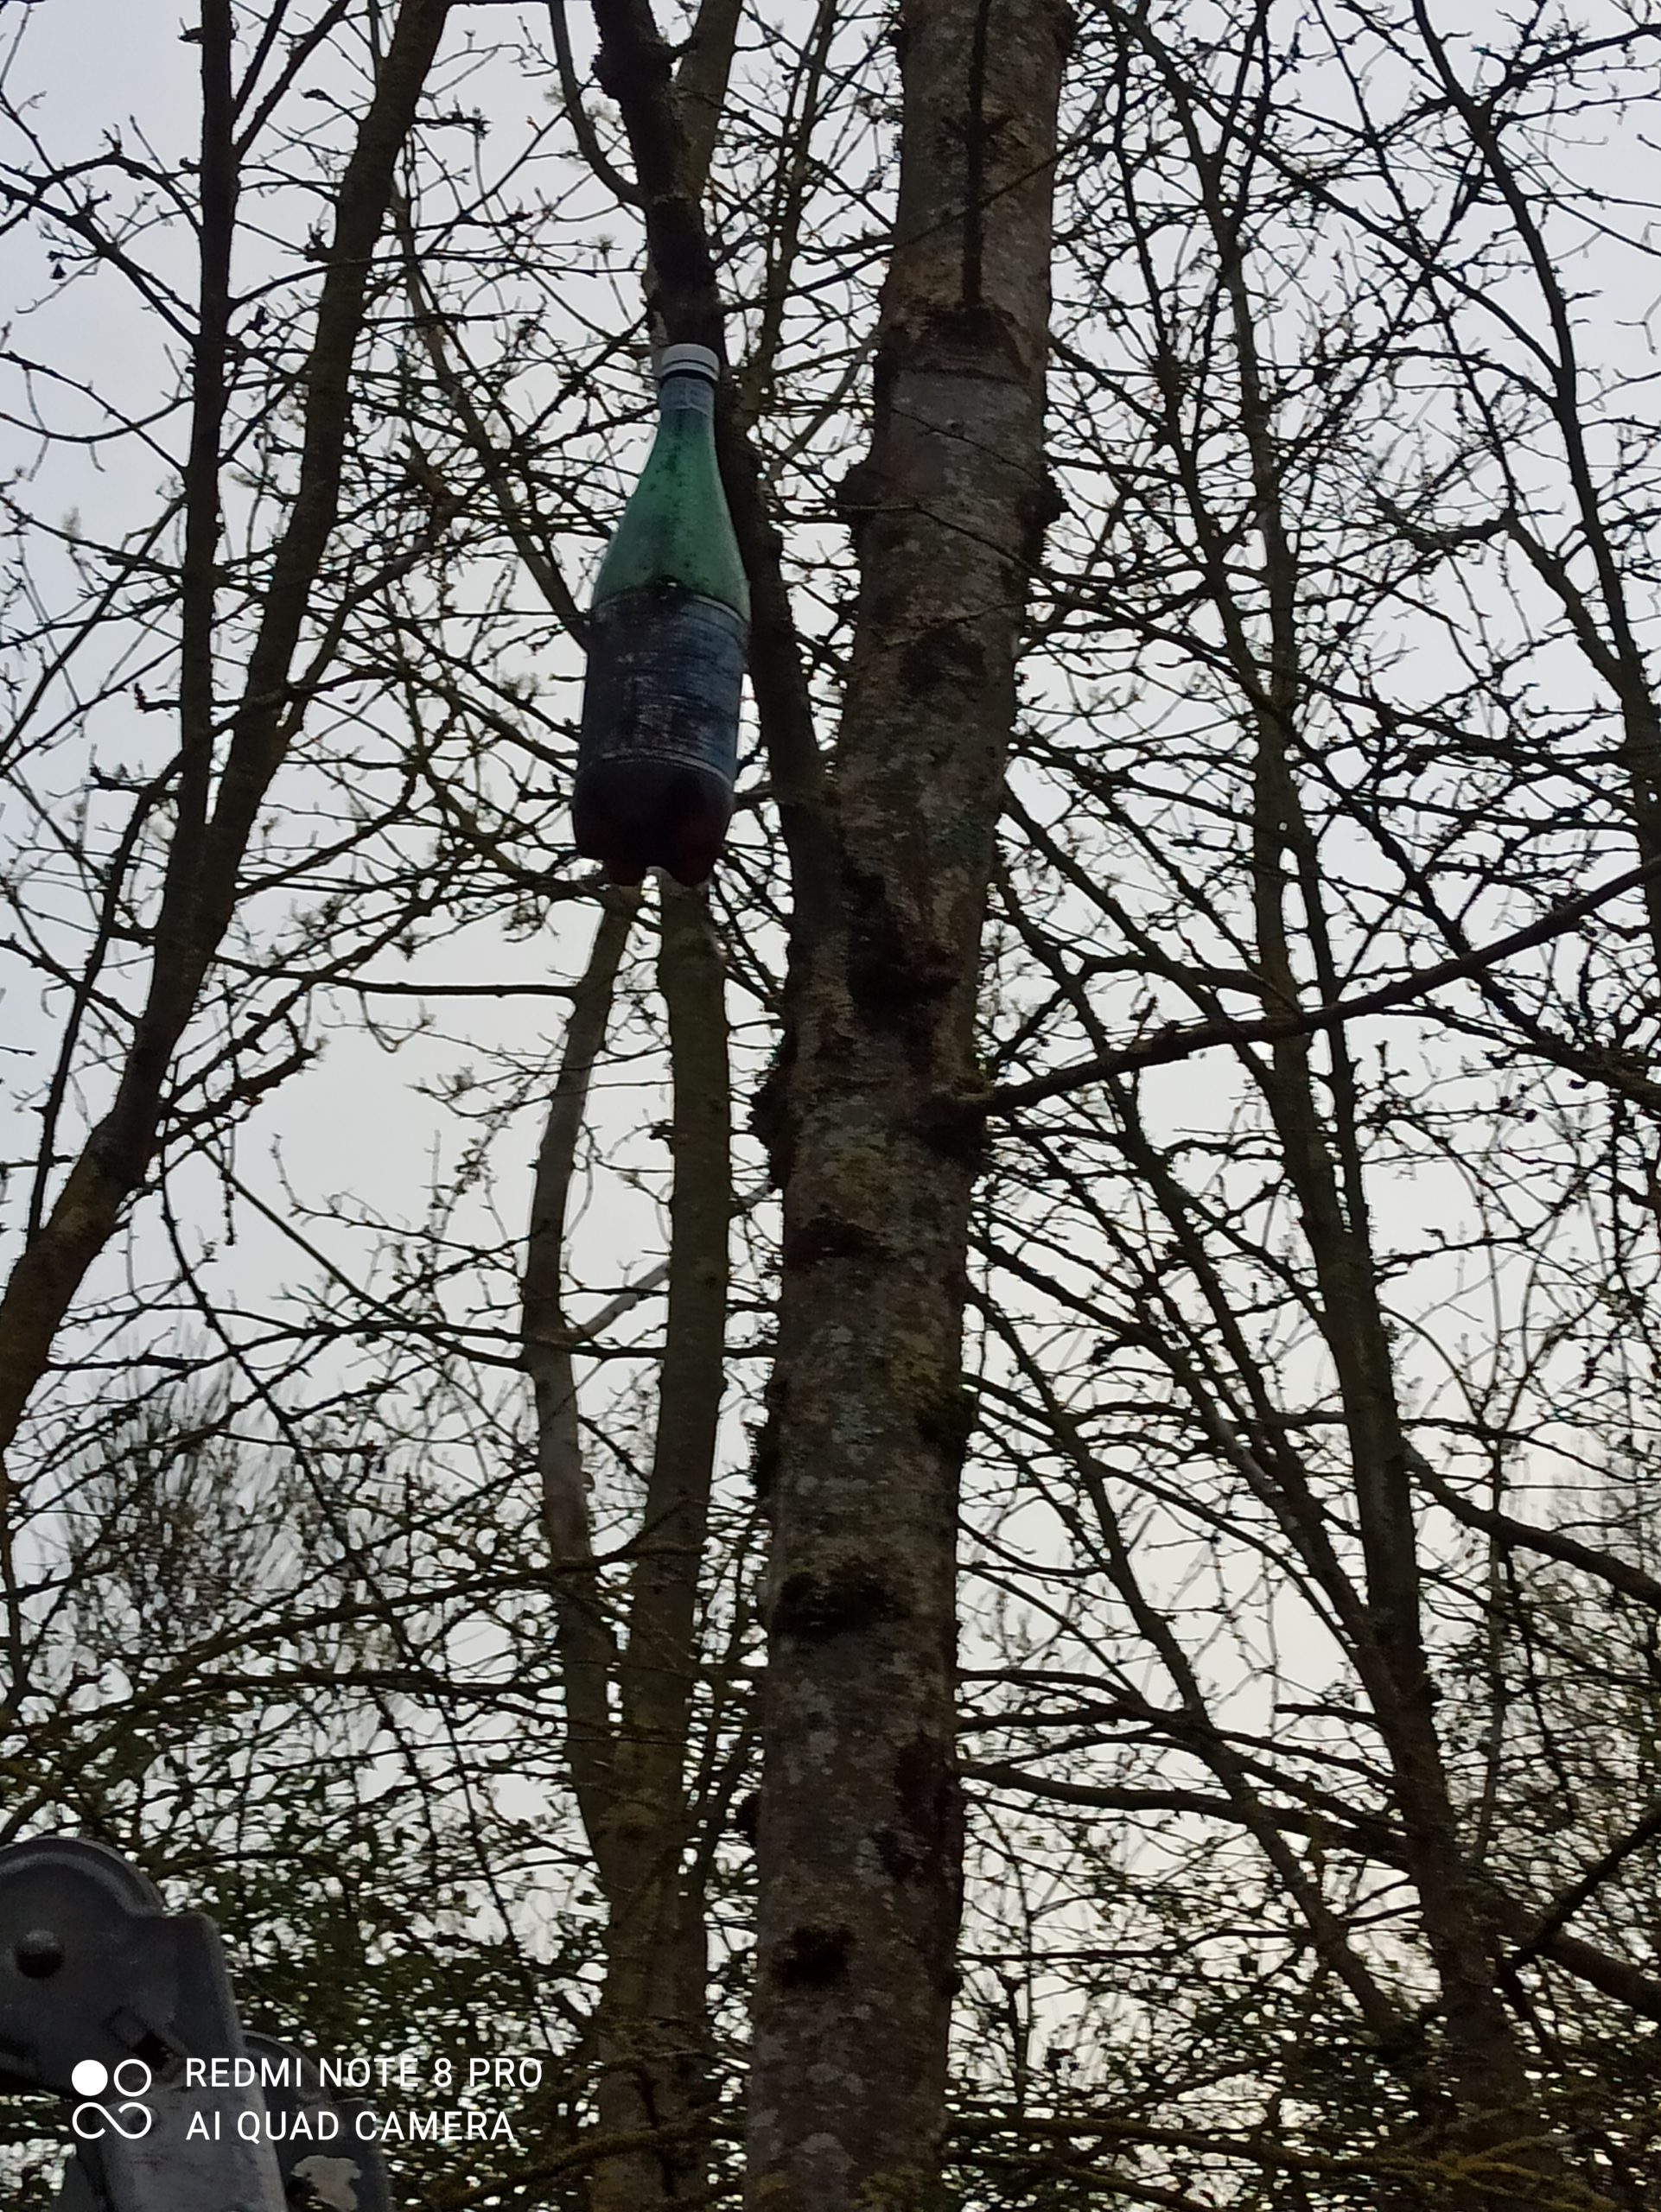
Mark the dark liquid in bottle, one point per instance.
(658, 750)
(634, 815)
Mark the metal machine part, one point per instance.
(326, 2166)
(105, 1996)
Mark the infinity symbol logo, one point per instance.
(131, 2079)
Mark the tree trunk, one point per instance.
(655, 2089)
(1497, 2110)
(653, 2015)
(873, 1117)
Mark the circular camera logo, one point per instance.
(130, 2079)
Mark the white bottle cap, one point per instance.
(689, 360)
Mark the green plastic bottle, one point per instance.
(657, 749)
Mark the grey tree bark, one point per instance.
(873, 1119)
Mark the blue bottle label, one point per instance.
(665, 676)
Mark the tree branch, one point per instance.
(1180, 1044)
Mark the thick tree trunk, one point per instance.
(873, 1117)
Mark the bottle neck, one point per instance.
(686, 393)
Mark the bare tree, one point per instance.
(1211, 945)
(219, 780)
